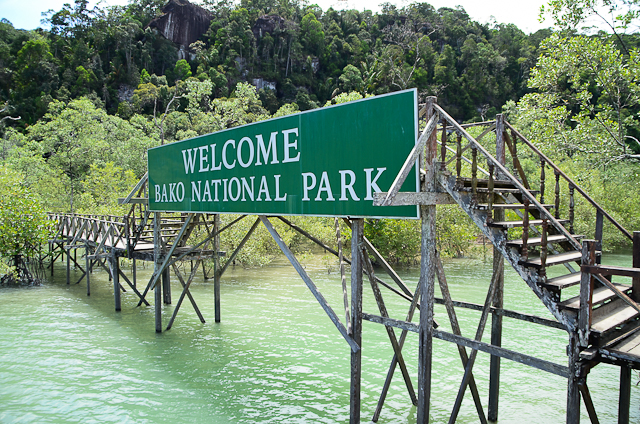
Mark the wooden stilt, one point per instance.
(68, 265)
(216, 266)
(87, 253)
(166, 286)
(427, 277)
(157, 247)
(114, 264)
(343, 276)
(134, 273)
(573, 391)
(357, 232)
(496, 329)
(625, 395)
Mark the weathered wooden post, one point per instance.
(166, 286)
(635, 290)
(157, 262)
(624, 402)
(68, 264)
(427, 277)
(573, 390)
(216, 265)
(498, 275)
(357, 238)
(114, 265)
(87, 253)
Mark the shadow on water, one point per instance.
(275, 358)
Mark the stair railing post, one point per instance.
(458, 158)
(598, 235)
(557, 203)
(542, 178)
(572, 206)
(525, 230)
(543, 251)
(443, 148)
(500, 149)
(635, 288)
(586, 293)
(514, 157)
(490, 196)
(474, 173)
(498, 298)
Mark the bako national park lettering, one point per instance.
(260, 152)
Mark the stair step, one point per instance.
(563, 281)
(600, 295)
(482, 182)
(514, 224)
(536, 241)
(498, 190)
(613, 318)
(484, 207)
(558, 259)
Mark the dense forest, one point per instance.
(81, 101)
(307, 54)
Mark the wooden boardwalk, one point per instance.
(602, 322)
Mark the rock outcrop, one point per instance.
(182, 22)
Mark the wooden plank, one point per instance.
(133, 201)
(536, 241)
(564, 281)
(309, 282)
(627, 344)
(558, 259)
(515, 224)
(410, 161)
(612, 270)
(600, 295)
(528, 360)
(410, 198)
(613, 318)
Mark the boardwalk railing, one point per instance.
(101, 231)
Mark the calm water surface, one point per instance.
(275, 358)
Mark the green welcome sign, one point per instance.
(325, 162)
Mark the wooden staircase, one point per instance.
(536, 236)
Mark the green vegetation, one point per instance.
(99, 87)
(24, 227)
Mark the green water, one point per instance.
(275, 358)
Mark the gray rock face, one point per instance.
(182, 22)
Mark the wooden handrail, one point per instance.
(532, 199)
(570, 181)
